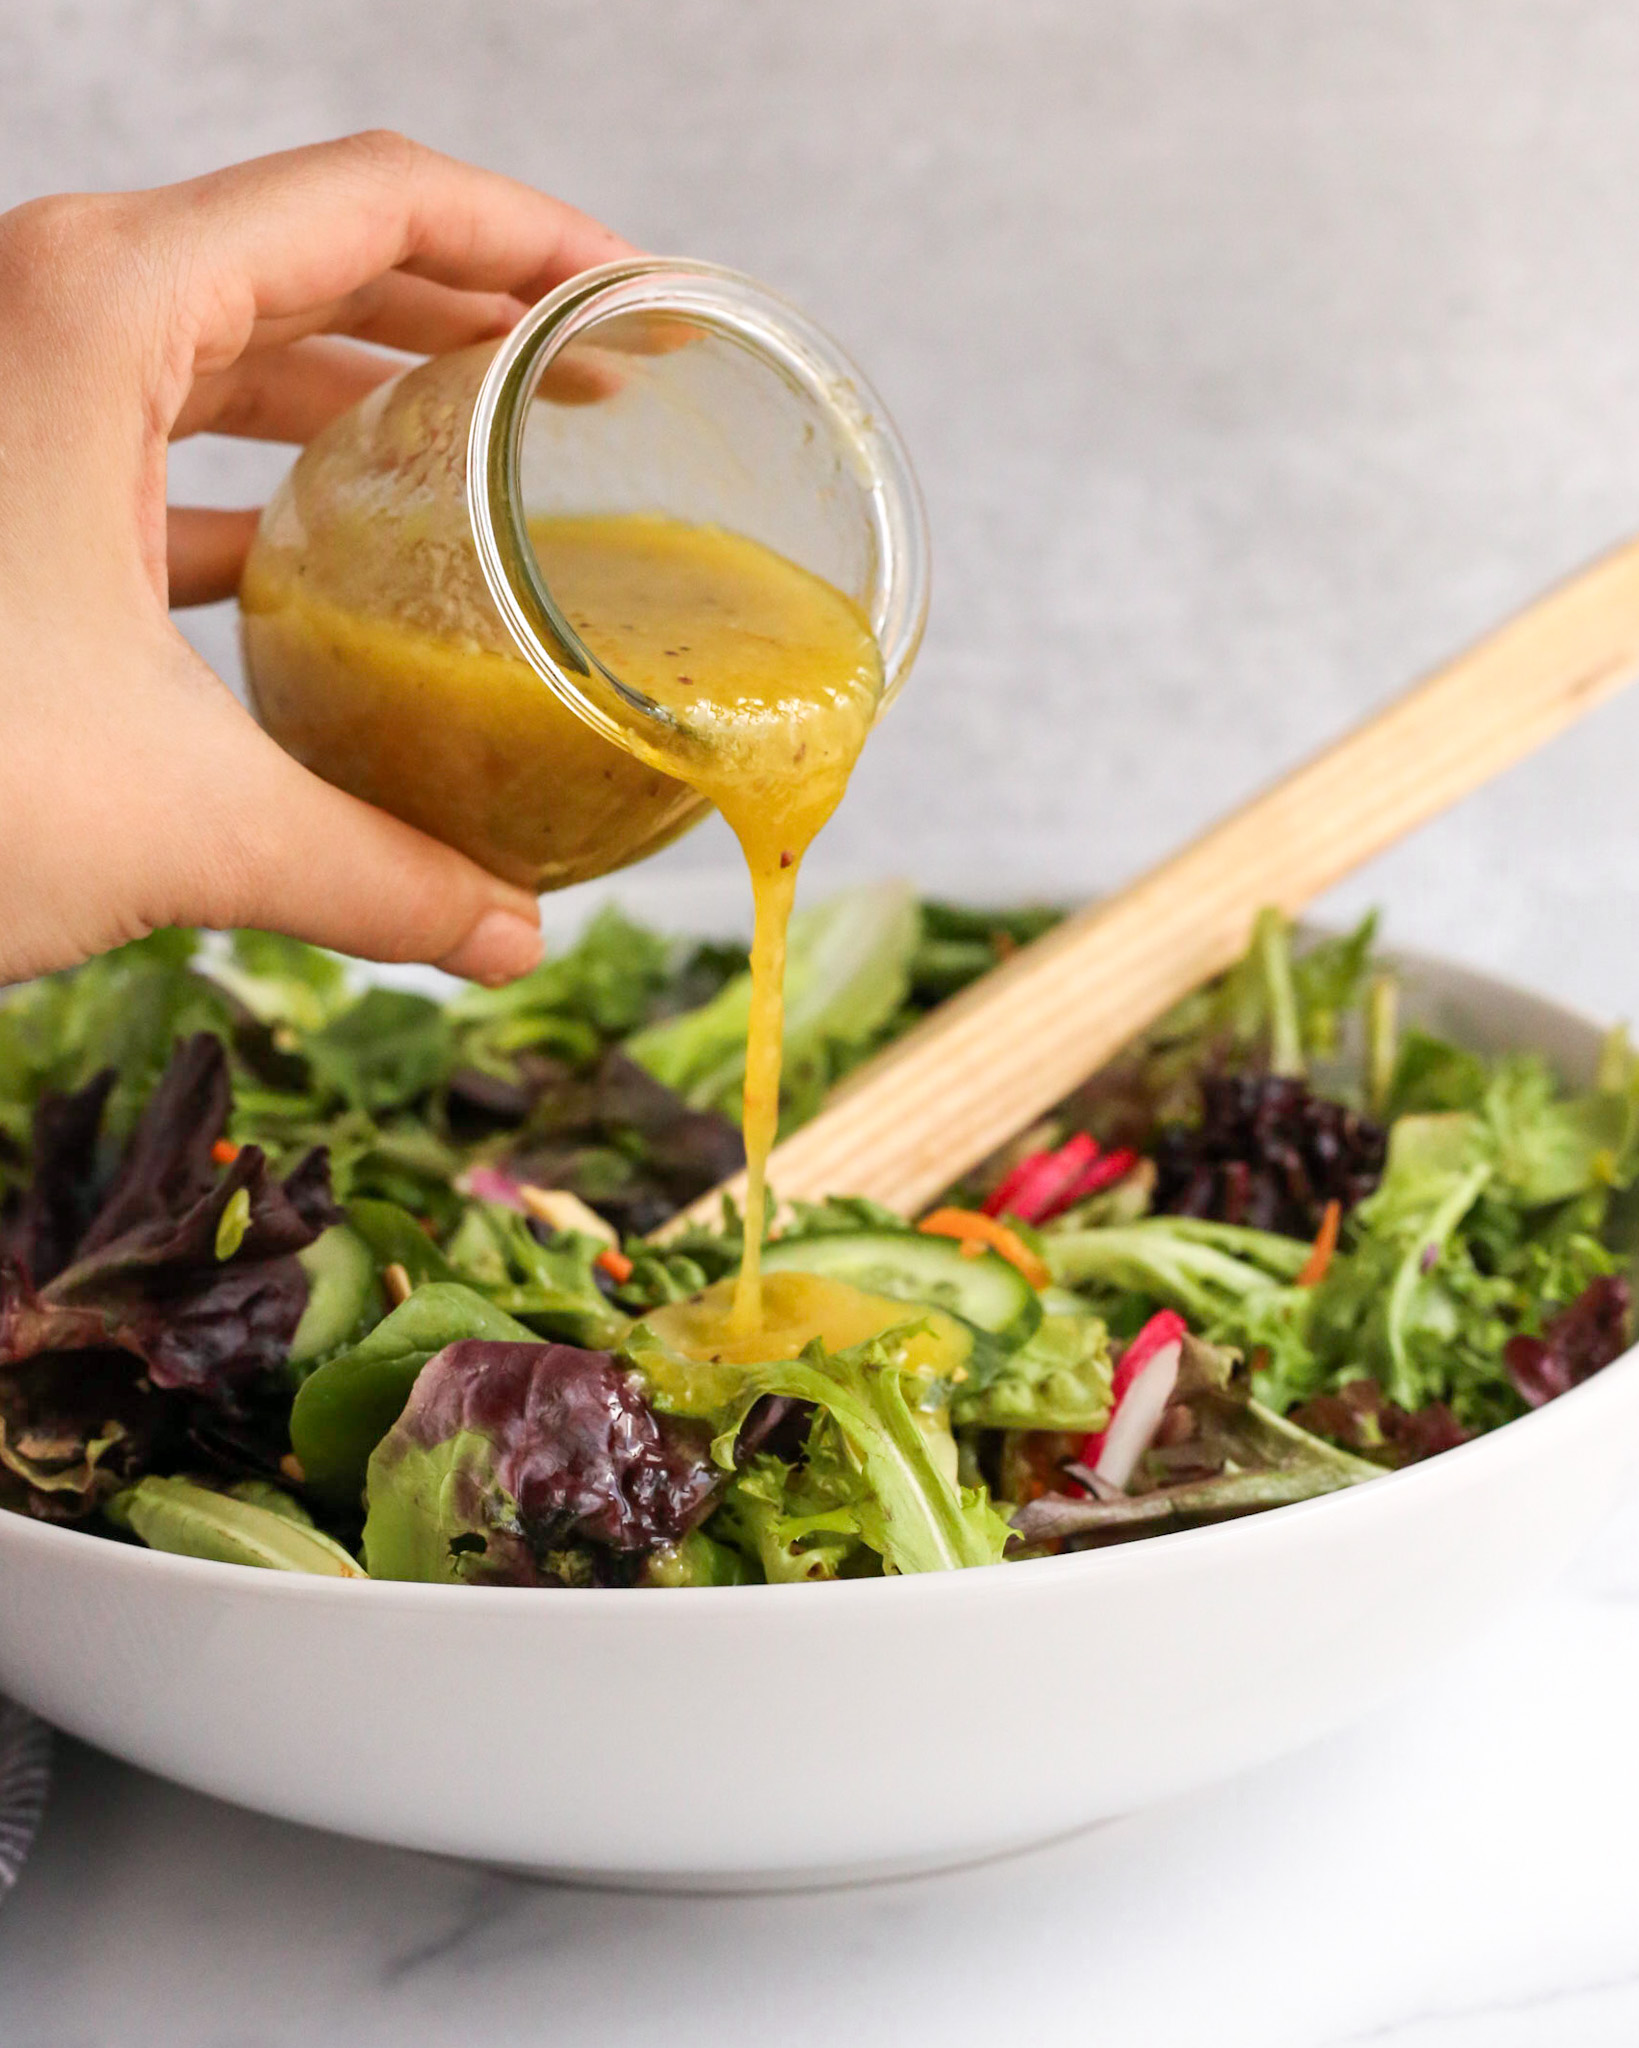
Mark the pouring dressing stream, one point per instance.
(659, 551)
(780, 676)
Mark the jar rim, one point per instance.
(727, 302)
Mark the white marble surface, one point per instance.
(1255, 353)
(1462, 1871)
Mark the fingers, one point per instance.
(403, 312)
(180, 810)
(277, 237)
(205, 553)
(284, 394)
(294, 855)
(581, 375)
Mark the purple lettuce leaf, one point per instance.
(177, 1277)
(531, 1464)
(167, 1164)
(625, 1143)
(75, 1427)
(1268, 1152)
(148, 1276)
(57, 1207)
(1361, 1417)
(1573, 1345)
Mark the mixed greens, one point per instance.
(315, 1276)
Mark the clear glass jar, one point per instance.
(401, 637)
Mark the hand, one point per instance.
(134, 790)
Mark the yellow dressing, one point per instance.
(772, 674)
(460, 739)
(700, 1348)
(778, 675)
(797, 1308)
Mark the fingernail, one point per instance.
(501, 946)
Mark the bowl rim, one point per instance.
(21, 1534)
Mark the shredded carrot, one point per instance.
(971, 1227)
(1320, 1253)
(396, 1279)
(615, 1264)
(224, 1152)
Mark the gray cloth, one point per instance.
(25, 1774)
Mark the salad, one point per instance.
(318, 1277)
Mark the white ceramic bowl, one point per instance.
(783, 1734)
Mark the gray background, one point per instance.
(1254, 355)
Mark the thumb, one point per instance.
(296, 855)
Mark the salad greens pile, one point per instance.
(315, 1276)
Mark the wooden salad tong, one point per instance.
(995, 1058)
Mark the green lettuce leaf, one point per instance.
(847, 975)
(124, 1010)
(493, 1252)
(387, 1047)
(601, 988)
(551, 1287)
(1207, 1270)
(345, 1408)
(283, 982)
(960, 943)
(799, 1523)
(698, 1560)
(1059, 1379)
(906, 1504)
(251, 1524)
(396, 1239)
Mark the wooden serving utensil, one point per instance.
(991, 1061)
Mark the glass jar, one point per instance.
(401, 637)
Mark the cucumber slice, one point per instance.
(342, 1294)
(985, 1291)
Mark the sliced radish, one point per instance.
(1095, 1177)
(1133, 1426)
(1165, 1327)
(1145, 1378)
(1038, 1187)
(1009, 1187)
